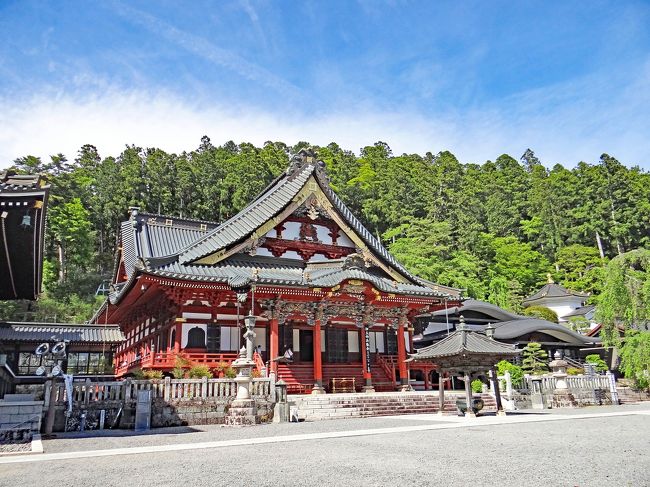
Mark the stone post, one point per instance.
(441, 392)
(508, 378)
(469, 413)
(497, 392)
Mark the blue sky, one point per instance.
(570, 80)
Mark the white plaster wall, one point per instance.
(296, 341)
(376, 341)
(561, 307)
(406, 341)
(344, 241)
(197, 316)
(260, 338)
(322, 340)
(291, 254)
(229, 338)
(353, 341)
(323, 234)
(264, 251)
(318, 258)
(291, 231)
(186, 329)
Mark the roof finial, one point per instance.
(489, 330)
(549, 278)
(461, 324)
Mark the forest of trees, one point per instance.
(494, 229)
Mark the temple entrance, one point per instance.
(306, 340)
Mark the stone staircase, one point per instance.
(300, 377)
(380, 381)
(627, 395)
(361, 405)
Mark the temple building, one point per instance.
(23, 201)
(296, 258)
(508, 328)
(564, 302)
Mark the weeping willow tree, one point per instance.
(625, 302)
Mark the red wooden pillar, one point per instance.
(318, 360)
(179, 336)
(401, 356)
(274, 345)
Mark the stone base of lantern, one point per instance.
(242, 412)
(562, 398)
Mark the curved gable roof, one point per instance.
(554, 290)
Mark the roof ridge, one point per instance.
(281, 182)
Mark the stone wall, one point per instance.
(163, 413)
(27, 414)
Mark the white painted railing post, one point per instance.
(508, 384)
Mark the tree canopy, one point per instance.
(493, 229)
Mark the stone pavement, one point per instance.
(590, 446)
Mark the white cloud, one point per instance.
(47, 124)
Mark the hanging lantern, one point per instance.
(27, 221)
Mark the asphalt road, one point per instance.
(570, 451)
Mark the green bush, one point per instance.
(635, 358)
(598, 363)
(230, 373)
(153, 374)
(199, 371)
(180, 365)
(541, 312)
(534, 359)
(516, 372)
(138, 374)
(574, 371)
(477, 385)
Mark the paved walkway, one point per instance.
(612, 430)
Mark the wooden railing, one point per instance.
(167, 360)
(388, 364)
(168, 389)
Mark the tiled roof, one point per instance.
(21, 184)
(283, 272)
(172, 250)
(155, 236)
(42, 332)
(463, 341)
(265, 207)
(553, 290)
(514, 328)
(484, 307)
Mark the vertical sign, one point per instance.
(367, 340)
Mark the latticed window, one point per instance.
(28, 363)
(89, 363)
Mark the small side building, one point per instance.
(564, 302)
(89, 353)
(23, 201)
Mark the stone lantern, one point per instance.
(562, 397)
(243, 409)
(559, 366)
